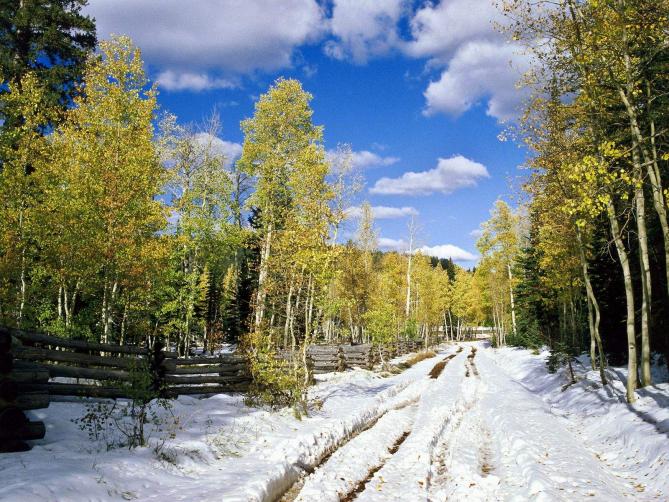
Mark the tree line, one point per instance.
(587, 266)
(120, 224)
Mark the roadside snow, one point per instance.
(495, 425)
(222, 449)
(630, 441)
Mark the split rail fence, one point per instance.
(35, 366)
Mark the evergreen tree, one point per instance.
(50, 39)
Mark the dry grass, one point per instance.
(420, 356)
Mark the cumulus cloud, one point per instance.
(438, 29)
(477, 64)
(383, 212)
(364, 159)
(445, 251)
(388, 244)
(175, 81)
(479, 70)
(364, 28)
(231, 37)
(450, 174)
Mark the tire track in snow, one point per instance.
(341, 473)
(406, 475)
(292, 483)
(462, 462)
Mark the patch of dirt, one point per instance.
(470, 365)
(439, 367)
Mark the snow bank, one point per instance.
(629, 440)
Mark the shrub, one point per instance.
(277, 382)
(122, 422)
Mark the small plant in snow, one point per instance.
(561, 355)
(123, 423)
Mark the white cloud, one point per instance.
(439, 29)
(230, 37)
(479, 70)
(447, 251)
(364, 28)
(230, 150)
(477, 232)
(383, 212)
(174, 81)
(443, 251)
(364, 159)
(478, 64)
(388, 244)
(449, 175)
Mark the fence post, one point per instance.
(157, 356)
(15, 428)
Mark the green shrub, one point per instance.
(277, 382)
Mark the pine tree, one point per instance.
(49, 39)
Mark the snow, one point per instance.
(493, 426)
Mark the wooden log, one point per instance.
(324, 358)
(29, 373)
(5, 341)
(61, 370)
(168, 365)
(55, 341)
(12, 418)
(6, 362)
(201, 370)
(352, 349)
(209, 389)
(190, 361)
(13, 446)
(27, 401)
(9, 389)
(27, 432)
(81, 390)
(39, 354)
(192, 380)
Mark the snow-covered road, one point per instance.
(475, 433)
(471, 424)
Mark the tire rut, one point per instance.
(362, 485)
(470, 365)
(292, 492)
(439, 367)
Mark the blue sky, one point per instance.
(419, 90)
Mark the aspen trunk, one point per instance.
(60, 302)
(652, 169)
(261, 295)
(593, 308)
(286, 328)
(640, 203)
(629, 299)
(513, 305)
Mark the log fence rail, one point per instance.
(35, 366)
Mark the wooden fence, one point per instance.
(35, 366)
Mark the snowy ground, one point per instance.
(493, 425)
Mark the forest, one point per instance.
(217, 308)
(121, 224)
